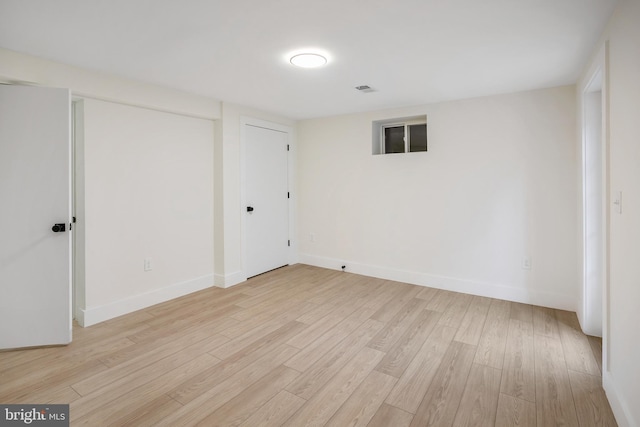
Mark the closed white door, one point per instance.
(35, 194)
(267, 207)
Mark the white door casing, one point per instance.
(266, 207)
(35, 194)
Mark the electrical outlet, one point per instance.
(526, 263)
(312, 237)
(147, 264)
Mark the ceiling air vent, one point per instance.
(365, 89)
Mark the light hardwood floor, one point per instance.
(305, 346)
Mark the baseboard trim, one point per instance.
(618, 406)
(78, 316)
(218, 280)
(93, 315)
(527, 296)
(228, 280)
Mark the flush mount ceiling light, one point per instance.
(308, 60)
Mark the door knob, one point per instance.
(249, 208)
(58, 228)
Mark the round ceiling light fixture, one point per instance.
(308, 60)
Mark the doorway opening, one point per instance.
(594, 207)
(593, 310)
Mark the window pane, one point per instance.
(394, 139)
(418, 137)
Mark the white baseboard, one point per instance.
(218, 280)
(79, 317)
(228, 280)
(92, 315)
(618, 406)
(527, 296)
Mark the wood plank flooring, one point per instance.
(305, 346)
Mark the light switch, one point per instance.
(617, 202)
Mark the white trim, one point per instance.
(292, 256)
(599, 66)
(92, 315)
(620, 409)
(378, 126)
(228, 280)
(218, 280)
(160, 109)
(485, 289)
(79, 317)
(596, 76)
(246, 120)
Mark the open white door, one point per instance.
(267, 222)
(35, 194)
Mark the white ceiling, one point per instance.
(411, 51)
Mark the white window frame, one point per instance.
(407, 135)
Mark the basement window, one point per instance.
(400, 135)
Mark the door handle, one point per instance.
(58, 228)
(249, 208)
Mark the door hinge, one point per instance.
(288, 242)
(288, 195)
(287, 147)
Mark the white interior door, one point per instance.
(35, 194)
(267, 210)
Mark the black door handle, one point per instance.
(58, 228)
(249, 208)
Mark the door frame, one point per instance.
(596, 79)
(77, 209)
(292, 252)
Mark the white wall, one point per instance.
(497, 184)
(20, 68)
(621, 373)
(148, 182)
